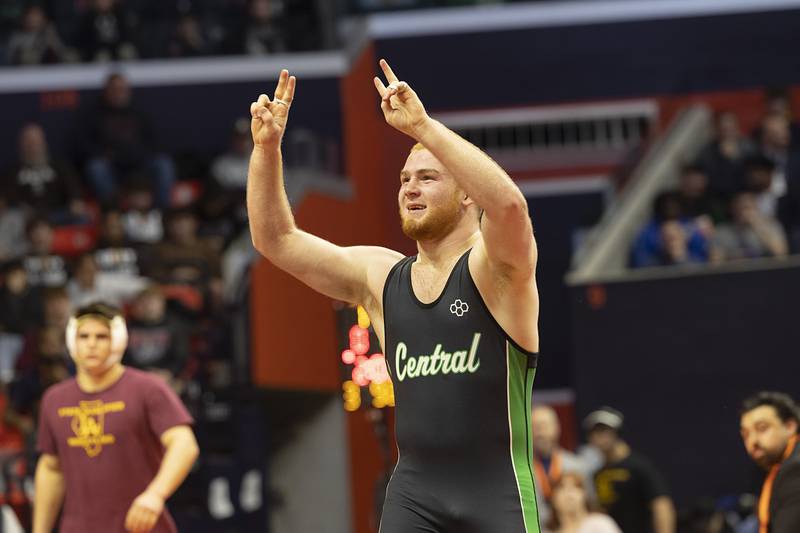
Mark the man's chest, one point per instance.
(91, 427)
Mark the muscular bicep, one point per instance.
(342, 273)
(508, 241)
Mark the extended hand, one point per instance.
(144, 512)
(401, 106)
(269, 117)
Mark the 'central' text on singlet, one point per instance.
(458, 362)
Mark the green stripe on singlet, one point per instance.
(520, 388)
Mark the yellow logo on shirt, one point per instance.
(87, 424)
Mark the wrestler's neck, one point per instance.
(99, 381)
(440, 253)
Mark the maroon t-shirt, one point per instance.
(108, 444)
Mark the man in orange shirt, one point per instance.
(769, 427)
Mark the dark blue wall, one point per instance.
(601, 61)
(677, 357)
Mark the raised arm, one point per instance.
(48, 494)
(341, 273)
(180, 453)
(506, 226)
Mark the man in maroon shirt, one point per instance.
(115, 442)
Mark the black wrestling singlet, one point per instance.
(463, 394)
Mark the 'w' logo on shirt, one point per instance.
(88, 420)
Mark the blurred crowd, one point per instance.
(113, 222)
(606, 486)
(739, 199)
(68, 31)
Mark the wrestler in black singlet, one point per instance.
(463, 393)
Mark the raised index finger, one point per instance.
(387, 70)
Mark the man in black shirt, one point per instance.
(769, 426)
(630, 489)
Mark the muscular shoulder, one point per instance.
(381, 262)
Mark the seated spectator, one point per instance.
(750, 233)
(115, 254)
(229, 170)
(121, 146)
(223, 207)
(670, 238)
(723, 158)
(50, 366)
(43, 267)
(20, 303)
(260, 32)
(13, 242)
(572, 509)
(188, 39)
(184, 257)
(42, 185)
(760, 181)
(628, 486)
(88, 285)
(158, 339)
(551, 462)
(36, 42)
(106, 32)
(778, 100)
(141, 220)
(696, 200)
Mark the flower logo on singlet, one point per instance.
(88, 422)
(459, 308)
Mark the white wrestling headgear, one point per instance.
(116, 323)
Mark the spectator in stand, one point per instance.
(723, 159)
(158, 339)
(697, 202)
(183, 257)
(142, 220)
(260, 32)
(750, 233)
(36, 42)
(121, 146)
(188, 39)
(779, 100)
(670, 238)
(573, 510)
(43, 267)
(49, 367)
(106, 32)
(776, 144)
(20, 303)
(229, 170)
(759, 180)
(115, 254)
(550, 461)
(13, 242)
(222, 206)
(628, 487)
(88, 285)
(42, 185)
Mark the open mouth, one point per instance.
(415, 207)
